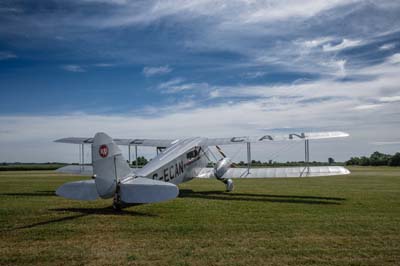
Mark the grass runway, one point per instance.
(344, 220)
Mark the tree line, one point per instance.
(376, 159)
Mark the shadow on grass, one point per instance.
(221, 195)
(82, 213)
(44, 193)
(103, 211)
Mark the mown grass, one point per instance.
(344, 220)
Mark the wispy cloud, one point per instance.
(387, 46)
(391, 99)
(74, 68)
(156, 71)
(169, 83)
(177, 85)
(344, 44)
(367, 106)
(386, 143)
(254, 75)
(103, 65)
(315, 42)
(395, 58)
(4, 55)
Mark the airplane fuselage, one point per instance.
(179, 163)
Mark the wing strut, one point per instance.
(137, 163)
(136, 153)
(306, 157)
(248, 157)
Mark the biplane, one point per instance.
(177, 161)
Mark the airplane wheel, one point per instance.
(229, 185)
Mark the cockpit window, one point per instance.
(192, 154)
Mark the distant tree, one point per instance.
(377, 159)
(141, 161)
(364, 161)
(395, 160)
(331, 160)
(353, 161)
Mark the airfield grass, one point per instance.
(343, 220)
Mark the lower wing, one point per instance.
(281, 172)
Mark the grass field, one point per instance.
(345, 220)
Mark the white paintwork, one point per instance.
(216, 141)
(280, 172)
(79, 190)
(110, 168)
(144, 190)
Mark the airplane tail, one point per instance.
(109, 166)
(110, 170)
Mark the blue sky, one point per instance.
(213, 68)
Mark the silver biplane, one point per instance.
(177, 161)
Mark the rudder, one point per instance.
(109, 166)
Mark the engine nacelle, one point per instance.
(222, 167)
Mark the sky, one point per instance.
(181, 68)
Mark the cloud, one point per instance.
(344, 44)
(387, 46)
(156, 71)
(390, 99)
(395, 58)
(386, 143)
(169, 83)
(254, 75)
(188, 87)
(4, 55)
(74, 68)
(282, 10)
(341, 65)
(316, 42)
(103, 65)
(367, 107)
(177, 85)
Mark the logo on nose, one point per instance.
(103, 151)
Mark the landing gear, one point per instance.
(229, 185)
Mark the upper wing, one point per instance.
(133, 142)
(283, 137)
(216, 141)
(280, 172)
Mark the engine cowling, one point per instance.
(221, 167)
